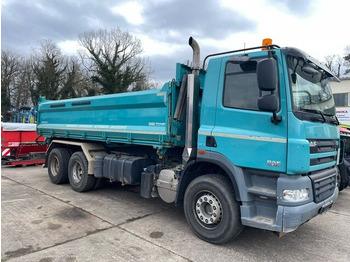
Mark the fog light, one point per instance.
(295, 195)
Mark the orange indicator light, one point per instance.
(266, 42)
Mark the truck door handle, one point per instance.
(210, 141)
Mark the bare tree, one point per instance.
(113, 59)
(347, 59)
(10, 70)
(334, 63)
(72, 78)
(338, 64)
(21, 93)
(329, 61)
(48, 66)
(77, 81)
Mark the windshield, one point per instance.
(311, 91)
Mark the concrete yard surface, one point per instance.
(46, 222)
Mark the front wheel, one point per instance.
(211, 209)
(79, 178)
(345, 168)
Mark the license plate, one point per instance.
(326, 207)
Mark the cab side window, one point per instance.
(241, 87)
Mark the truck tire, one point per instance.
(79, 178)
(343, 183)
(347, 173)
(343, 178)
(339, 180)
(211, 209)
(58, 165)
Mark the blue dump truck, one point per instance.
(248, 139)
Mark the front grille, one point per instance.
(322, 160)
(323, 184)
(322, 146)
(318, 146)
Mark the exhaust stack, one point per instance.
(196, 55)
(191, 104)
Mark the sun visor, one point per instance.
(239, 59)
(301, 54)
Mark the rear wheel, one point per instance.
(211, 209)
(79, 178)
(58, 165)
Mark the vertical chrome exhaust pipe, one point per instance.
(190, 149)
(196, 55)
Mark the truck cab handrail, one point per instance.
(239, 50)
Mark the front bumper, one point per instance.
(267, 209)
(295, 216)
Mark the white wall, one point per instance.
(341, 87)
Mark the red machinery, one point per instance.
(20, 145)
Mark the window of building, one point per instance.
(341, 99)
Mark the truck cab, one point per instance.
(280, 143)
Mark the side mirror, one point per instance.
(267, 77)
(268, 103)
(267, 74)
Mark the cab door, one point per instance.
(244, 134)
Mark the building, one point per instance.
(341, 93)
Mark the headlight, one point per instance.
(295, 195)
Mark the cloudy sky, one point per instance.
(319, 27)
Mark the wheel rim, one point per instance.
(77, 172)
(54, 166)
(208, 209)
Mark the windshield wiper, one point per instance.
(335, 121)
(315, 111)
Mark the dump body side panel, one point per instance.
(129, 118)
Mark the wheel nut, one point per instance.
(214, 207)
(201, 217)
(214, 215)
(206, 221)
(210, 202)
(205, 199)
(211, 220)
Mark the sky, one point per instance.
(318, 27)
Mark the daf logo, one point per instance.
(313, 143)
